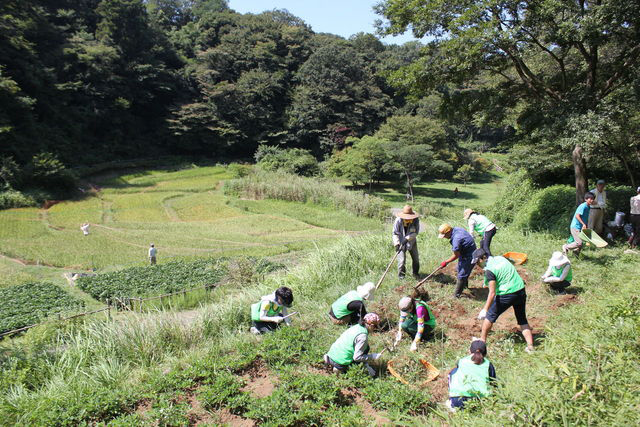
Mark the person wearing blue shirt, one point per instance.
(462, 245)
(579, 223)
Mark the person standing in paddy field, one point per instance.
(85, 228)
(152, 254)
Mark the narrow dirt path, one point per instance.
(171, 213)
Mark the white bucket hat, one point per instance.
(366, 291)
(558, 259)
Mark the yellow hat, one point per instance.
(467, 213)
(443, 229)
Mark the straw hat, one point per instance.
(366, 291)
(407, 213)
(558, 259)
(405, 304)
(444, 229)
(467, 213)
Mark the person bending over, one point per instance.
(559, 273)
(349, 308)
(269, 313)
(353, 347)
(462, 245)
(416, 319)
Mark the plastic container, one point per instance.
(619, 219)
(590, 236)
(517, 258)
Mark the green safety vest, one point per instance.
(339, 307)
(557, 272)
(482, 222)
(342, 350)
(273, 309)
(508, 280)
(470, 380)
(432, 319)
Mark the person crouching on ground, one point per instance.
(462, 245)
(483, 226)
(349, 308)
(268, 313)
(353, 346)
(416, 319)
(579, 223)
(405, 230)
(471, 378)
(559, 273)
(506, 289)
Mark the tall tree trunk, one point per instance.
(580, 169)
(628, 169)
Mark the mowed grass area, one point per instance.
(182, 211)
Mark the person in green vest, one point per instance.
(481, 225)
(416, 319)
(471, 378)
(353, 346)
(506, 289)
(269, 313)
(349, 308)
(559, 273)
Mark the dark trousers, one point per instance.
(410, 326)
(635, 221)
(349, 319)
(264, 327)
(485, 243)
(559, 286)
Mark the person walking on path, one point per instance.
(85, 228)
(634, 218)
(353, 347)
(405, 230)
(596, 215)
(416, 319)
(559, 273)
(471, 378)
(578, 223)
(462, 245)
(152, 254)
(349, 308)
(506, 289)
(268, 314)
(483, 226)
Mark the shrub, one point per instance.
(517, 192)
(14, 199)
(238, 171)
(548, 209)
(46, 171)
(290, 160)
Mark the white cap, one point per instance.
(558, 259)
(405, 303)
(366, 291)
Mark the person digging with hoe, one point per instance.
(349, 308)
(268, 314)
(471, 378)
(506, 289)
(405, 230)
(559, 273)
(353, 347)
(462, 245)
(579, 223)
(483, 226)
(416, 319)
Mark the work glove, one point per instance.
(414, 346)
(443, 264)
(278, 319)
(482, 314)
(374, 356)
(398, 337)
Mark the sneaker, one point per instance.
(254, 330)
(530, 350)
(447, 405)
(337, 371)
(326, 359)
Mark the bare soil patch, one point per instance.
(259, 381)
(369, 411)
(226, 418)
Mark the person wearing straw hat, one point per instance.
(405, 230)
(268, 314)
(353, 346)
(471, 378)
(483, 226)
(416, 319)
(462, 245)
(349, 308)
(597, 212)
(559, 273)
(506, 289)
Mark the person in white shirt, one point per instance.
(481, 225)
(85, 228)
(596, 215)
(634, 218)
(152, 254)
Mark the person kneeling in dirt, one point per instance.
(416, 319)
(559, 273)
(506, 289)
(462, 245)
(471, 377)
(268, 313)
(349, 308)
(353, 346)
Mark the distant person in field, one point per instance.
(559, 273)
(85, 228)
(152, 254)
(579, 223)
(353, 347)
(481, 225)
(268, 314)
(597, 212)
(462, 245)
(471, 378)
(405, 231)
(349, 308)
(455, 192)
(634, 218)
(416, 319)
(506, 289)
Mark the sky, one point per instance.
(341, 17)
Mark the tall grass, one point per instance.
(283, 186)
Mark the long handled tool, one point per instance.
(427, 278)
(289, 315)
(388, 268)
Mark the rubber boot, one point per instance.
(460, 285)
